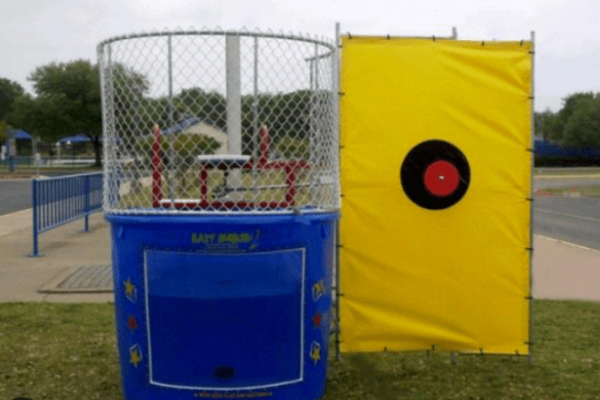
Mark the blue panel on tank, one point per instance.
(222, 321)
(226, 306)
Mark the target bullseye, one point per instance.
(441, 178)
(435, 175)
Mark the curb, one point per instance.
(12, 214)
(574, 245)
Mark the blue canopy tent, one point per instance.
(79, 138)
(19, 134)
(14, 135)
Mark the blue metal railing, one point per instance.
(57, 201)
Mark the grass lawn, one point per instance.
(546, 171)
(65, 352)
(27, 172)
(188, 188)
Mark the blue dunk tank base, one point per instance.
(231, 307)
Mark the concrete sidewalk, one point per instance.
(65, 250)
(561, 271)
(565, 271)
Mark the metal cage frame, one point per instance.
(306, 182)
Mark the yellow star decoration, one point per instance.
(129, 287)
(318, 290)
(135, 357)
(315, 353)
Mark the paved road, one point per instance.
(575, 220)
(15, 195)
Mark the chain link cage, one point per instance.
(216, 121)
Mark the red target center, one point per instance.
(441, 178)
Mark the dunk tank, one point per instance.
(221, 171)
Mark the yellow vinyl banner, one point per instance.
(436, 183)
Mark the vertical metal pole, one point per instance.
(103, 97)
(86, 199)
(336, 106)
(315, 148)
(32, 150)
(113, 171)
(37, 165)
(69, 200)
(532, 143)
(54, 190)
(74, 200)
(10, 158)
(46, 203)
(172, 167)
(42, 202)
(257, 139)
(60, 189)
(234, 103)
(157, 192)
(34, 200)
(454, 33)
(336, 88)
(52, 202)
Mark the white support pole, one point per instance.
(255, 127)
(234, 106)
(172, 186)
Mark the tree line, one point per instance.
(576, 124)
(67, 101)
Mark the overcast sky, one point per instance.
(36, 32)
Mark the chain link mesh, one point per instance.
(215, 121)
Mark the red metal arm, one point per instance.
(156, 168)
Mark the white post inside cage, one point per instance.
(234, 105)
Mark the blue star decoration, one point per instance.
(318, 290)
(130, 291)
(315, 352)
(135, 355)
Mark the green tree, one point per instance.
(68, 100)
(583, 126)
(576, 123)
(3, 131)
(570, 105)
(546, 125)
(67, 103)
(129, 103)
(9, 91)
(555, 125)
(210, 107)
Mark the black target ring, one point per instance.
(435, 175)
